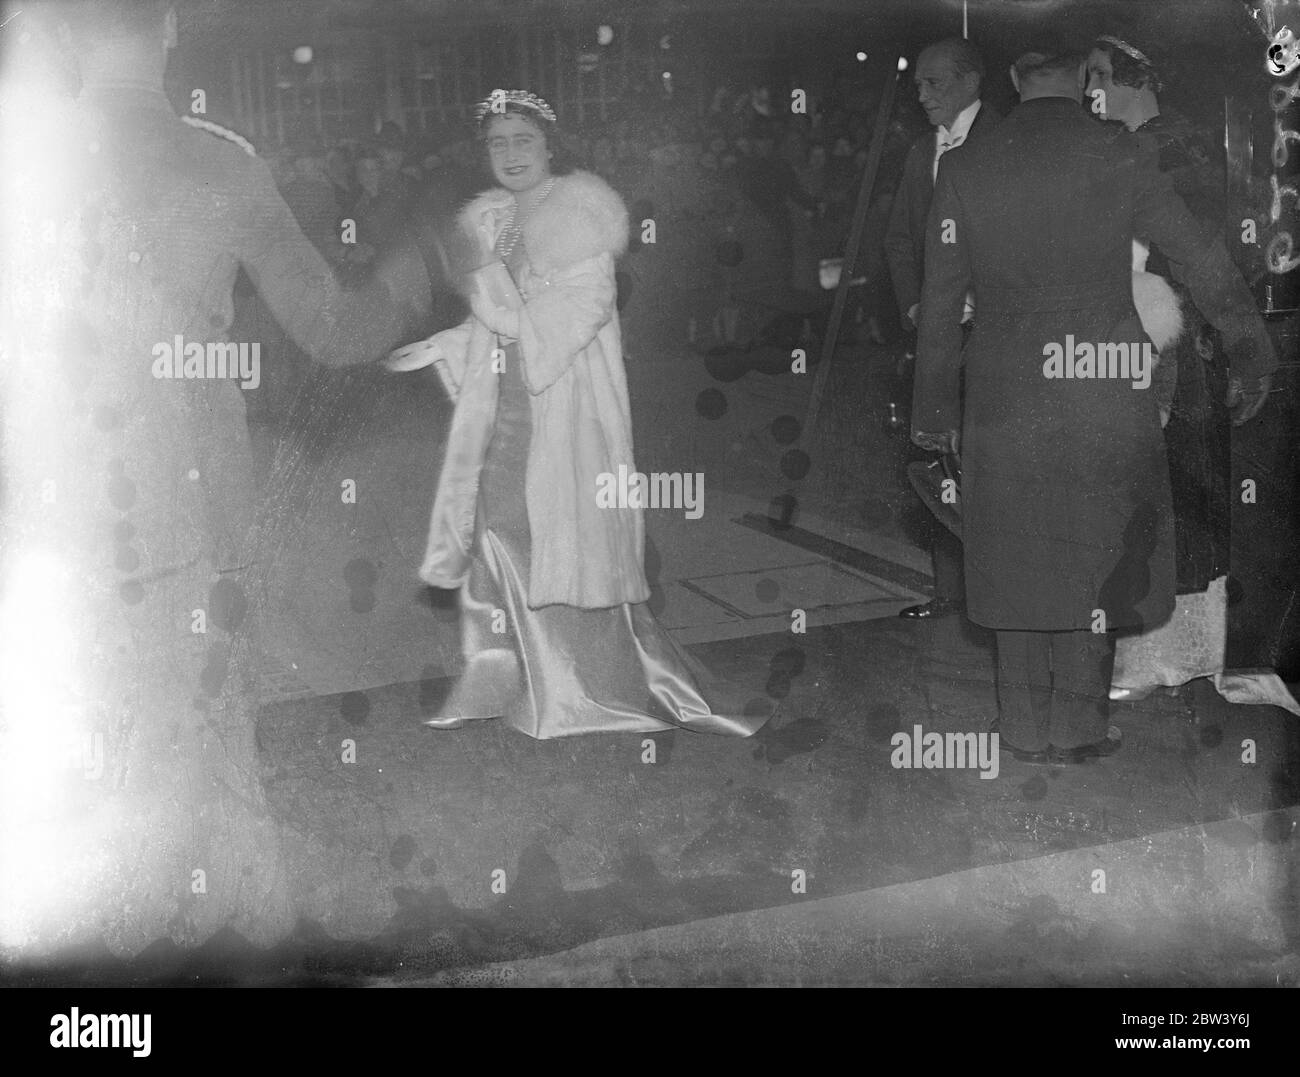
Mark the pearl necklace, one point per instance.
(513, 231)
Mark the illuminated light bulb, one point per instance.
(604, 34)
(302, 54)
(902, 63)
(862, 57)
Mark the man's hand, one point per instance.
(415, 356)
(945, 442)
(1245, 400)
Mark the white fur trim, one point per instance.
(1141, 252)
(1157, 307)
(581, 218)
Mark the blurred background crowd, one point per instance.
(750, 155)
(748, 199)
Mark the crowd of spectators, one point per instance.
(749, 197)
(794, 174)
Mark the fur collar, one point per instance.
(581, 218)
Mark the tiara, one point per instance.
(1125, 47)
(498, 99)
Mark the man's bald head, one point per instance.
(964, 57)
(1050, 73)
(948, 78)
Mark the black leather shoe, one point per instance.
(1024, 755)
(1097, 750)
(936, 607)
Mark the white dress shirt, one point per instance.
(950, 139)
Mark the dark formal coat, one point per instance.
(1065, 486)
(905, 234)
(1198, 435)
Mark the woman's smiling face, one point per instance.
(1119, 102)
(517, 151)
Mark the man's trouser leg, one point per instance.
(946, 548)
(1082, 663)
(949, 573)
(1024, 681)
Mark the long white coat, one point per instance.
(569, 338)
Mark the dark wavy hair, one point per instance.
(1129, 70)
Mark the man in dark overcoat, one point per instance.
(1066, 515)
(949, 75)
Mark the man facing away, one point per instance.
(128, 471)
(949, 75)
(1066, 515)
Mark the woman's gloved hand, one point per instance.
(501, 320)
(494, 298)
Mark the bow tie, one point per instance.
(949, 142)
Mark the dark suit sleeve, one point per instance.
(1203, 265)
(936, 399)
(335, 325)
(900, 249)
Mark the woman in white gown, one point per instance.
(556, 633)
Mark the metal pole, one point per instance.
(851, 252)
